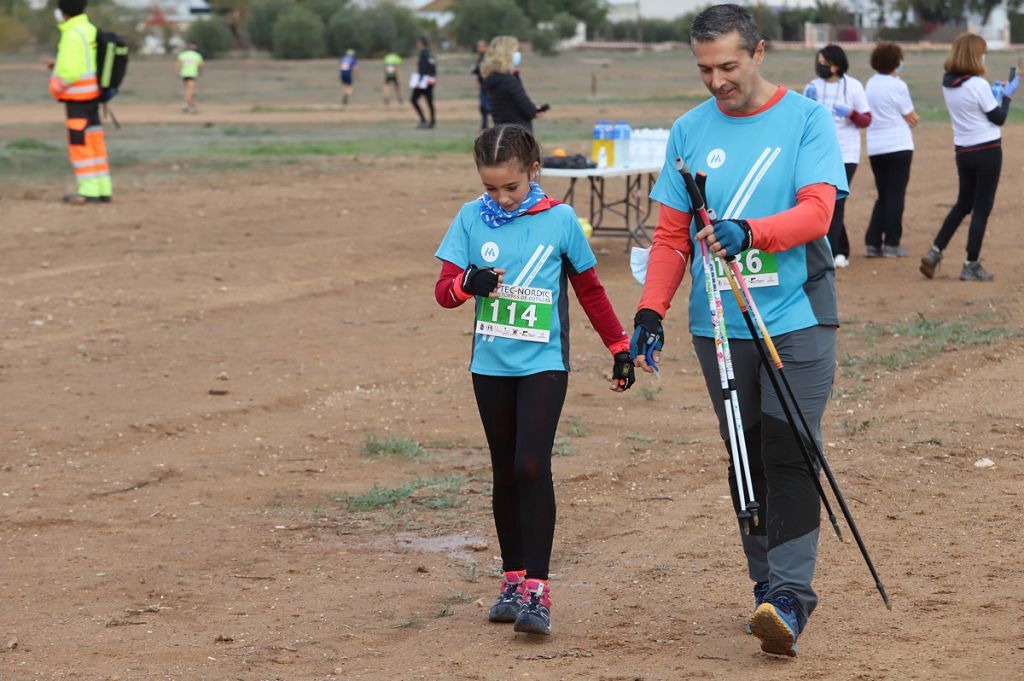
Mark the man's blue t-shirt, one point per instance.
(526, 329)
(755, 166)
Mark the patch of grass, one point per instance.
(246, 131)
(853, 427)
(446, 610)
(561, 447)
(29, 144)
(378, 498)
(470, 573)
(920, 338)
(649, 393)
(457, 597)
(390, 446)
(639, 437)
(575, 426)
(382, 146)
(410, 623)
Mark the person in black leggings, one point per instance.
(977, 112)
(424, 87)
(520, 364)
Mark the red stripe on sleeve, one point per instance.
(670, 252)
(806, 221)
(594, 300)
(448, 289)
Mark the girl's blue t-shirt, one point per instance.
(755, 166)
(526, 329)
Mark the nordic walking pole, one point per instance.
(748, 506)
(814, 443)
(704, 216)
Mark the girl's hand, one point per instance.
(501, 280)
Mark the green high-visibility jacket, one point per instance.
(74, 71)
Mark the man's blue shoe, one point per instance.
(760, 591)
(775, 623)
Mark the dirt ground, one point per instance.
(191, 374)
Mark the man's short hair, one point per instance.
(719, 20)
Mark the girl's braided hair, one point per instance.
(503, 144)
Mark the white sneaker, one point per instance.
(842, 261)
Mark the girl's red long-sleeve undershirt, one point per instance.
(589, 291)
(671, 249)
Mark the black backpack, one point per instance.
(111, 63)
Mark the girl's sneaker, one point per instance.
(509, 603)
(760, 591)
(535, 616)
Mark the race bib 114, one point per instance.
(519, 313)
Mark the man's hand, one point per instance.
(648, 340)
(726, 238)
(842, 110)
(623, 375)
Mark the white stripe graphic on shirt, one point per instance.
(536, 270)
(746, 181)
(529, 264)
(757, 181)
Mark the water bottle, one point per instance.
(621, 137)
(603, 152)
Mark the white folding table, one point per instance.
(633, 208)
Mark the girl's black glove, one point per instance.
(622, 370)
(479, 282)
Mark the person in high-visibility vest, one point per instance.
(190, 66)
(73, 81)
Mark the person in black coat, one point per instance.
(423, 87)
(506, 97)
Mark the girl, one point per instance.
(844, 97)
(520, 359)
(976, 111)
(890, 150)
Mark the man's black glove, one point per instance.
(648, 336)
(479, 282)
(622, 370)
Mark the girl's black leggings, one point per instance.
(979, 178)
(520, 416)
(837, 237)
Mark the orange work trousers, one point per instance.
(87, 148)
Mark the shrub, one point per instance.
(211, 37)
(262, 17)
(299, 34)
(565, 24)
(14, 35)
(544, 41)
(373, 32)
(325, 9)
(487, 18)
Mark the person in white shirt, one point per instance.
(890, 150)
(976, 111)
(844, 97)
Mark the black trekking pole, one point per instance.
(738, 285)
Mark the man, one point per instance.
(423, 85)
(349, 69)
(190, 67)
(774, 171)
(481, 52)
(73, 81)
(392, 67)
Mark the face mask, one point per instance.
(517, 59)
(823, 70)
(59, 16)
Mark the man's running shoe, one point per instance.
(535, 617)
(509, 603)
(873, 251)
(973, 271)
(775, 623)
(760, 591)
